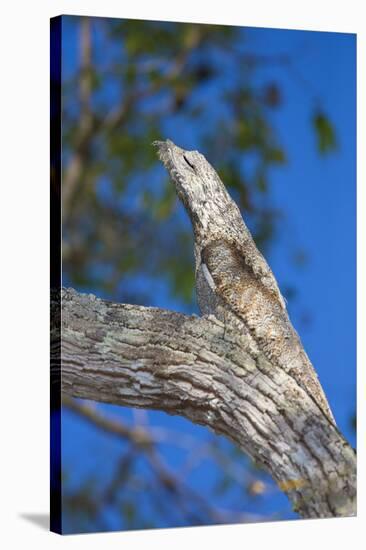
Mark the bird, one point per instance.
(234, 283)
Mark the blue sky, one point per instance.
(317, 195)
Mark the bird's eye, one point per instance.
(189, 163)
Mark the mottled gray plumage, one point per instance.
(233, 280)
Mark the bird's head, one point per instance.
(198, 186)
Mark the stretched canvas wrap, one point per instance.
(203, 358)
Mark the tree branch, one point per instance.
(198, 368)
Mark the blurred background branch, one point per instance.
(179, 496)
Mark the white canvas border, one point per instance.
(25, 267)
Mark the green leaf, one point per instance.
(325, 133)
(244, 135)
(166, 203)
(261, 182)
(130, 74)
(275, 155)
(128, 510)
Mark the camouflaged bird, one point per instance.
(233, 281)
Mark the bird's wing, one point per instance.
(257, 305)
(244, 291)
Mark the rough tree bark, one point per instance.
(204, 370)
